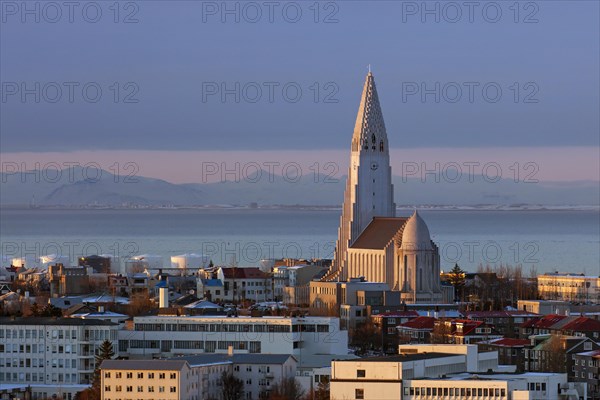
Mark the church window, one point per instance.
(381, 145)
(373, 139)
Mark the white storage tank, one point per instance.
(53, 259)
(142, 262)
(27, 262)
(266, 265)
(190, 261)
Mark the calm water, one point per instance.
(548, 240)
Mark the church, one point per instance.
(373, 243)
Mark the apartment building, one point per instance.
(52, 355)
(164, 379)
(194, 377)
(169, 335)
(433, 372)
(569, 287)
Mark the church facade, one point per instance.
(372, 242)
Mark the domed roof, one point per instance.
(415, 235)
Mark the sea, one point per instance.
(538, 240)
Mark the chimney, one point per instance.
(163, 297)
(230, 350)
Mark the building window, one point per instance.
(173, 375)
(129, 375)
(173, 389)
(107, 374)
(359, 394)
(140, 375)
(360, 373)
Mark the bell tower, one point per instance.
(369, 191)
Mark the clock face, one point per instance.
(374, 166)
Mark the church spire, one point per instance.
(369, 191)
(369, 129)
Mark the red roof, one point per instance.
(243, 273)
(498, 314)
(420, 323)
(547, 321)
(564, 323)
(507, 342)
(583, 324)
(397, 314)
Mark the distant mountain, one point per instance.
(110, 190)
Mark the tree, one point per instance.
(105, 352)
(366, 337)
(322, 392)
(286, 389)
(51, 311)
(442, 332)
(457, 279)
(232, 387)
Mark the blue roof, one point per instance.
(213, 282)
(161, 284)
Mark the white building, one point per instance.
(527, 386)
(52, 355)
(569, 287)
(168, 336)
(433, 372)
(259, 372)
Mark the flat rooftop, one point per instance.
(402, 357)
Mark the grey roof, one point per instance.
(322, 360)
(144, 365)
(210, 358)
(403, 357)
(53, 321)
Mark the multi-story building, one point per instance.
(569, 287)
(506, 323)
(463, 331)
(433, 372)
(99, 264)
(510, 351)
(544, 307)
(259, 372)
(194, 377)
(247, 283)
(382, 377)
(587, 369)
(562, 325)
(52, 355)
(556, 353)
(68, 280)
(164, 379)
(387, 324)
(415, 331)
(168, 336)
(538, 386)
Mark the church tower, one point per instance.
(369, 191)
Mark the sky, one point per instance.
(165, 83)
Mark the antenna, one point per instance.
(369, 67)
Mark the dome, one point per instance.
(415, 235)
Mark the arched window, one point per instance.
(381, 146)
